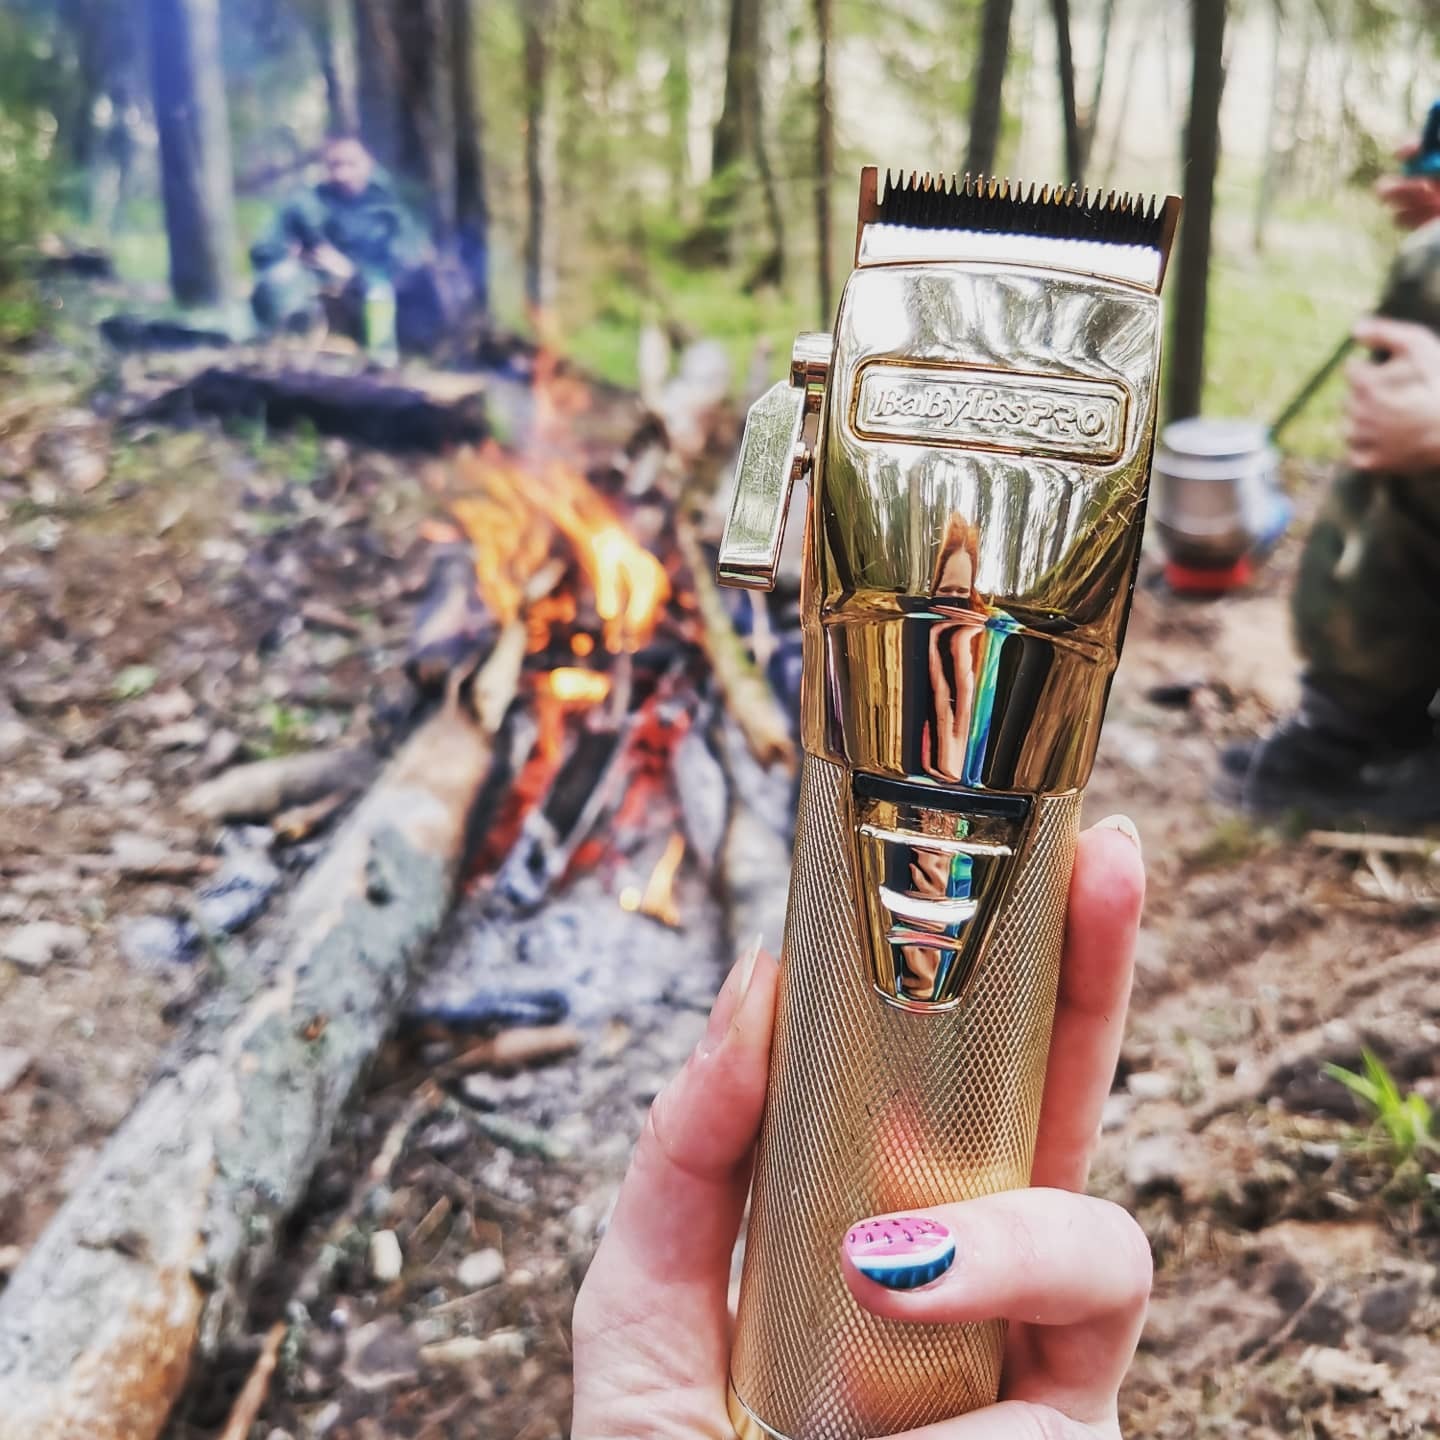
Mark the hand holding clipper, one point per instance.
(983, 420)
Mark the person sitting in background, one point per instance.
(1367, 598)
(346, 254)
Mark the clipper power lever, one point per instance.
(977, 435)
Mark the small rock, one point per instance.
(13, 1065)
(1288, 1284)
(220, 751)
(1386, 1310)
(166, 707)
(182, 735)
(1342, 1371)
(30, 792)
(444, 1137)
(135, 851)
(467, 1350)
(1116, 1111)
(32, 947)
(238, 894)
(99, 767)
(453, 1354)
(481, 1269)
(1155, 1162)
(327, 1420)
(150, 942)
(1150, 1085)
(134, 793)
(506, 1344)
(15, 735)
(1322, 1323)
(386, 1261)
(488, 1091)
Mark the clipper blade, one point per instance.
(986, 205)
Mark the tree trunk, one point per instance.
(1265, 191)
(739, 121)
(472, 215)
(1127, 88)
(335, 51)
(677, 101)
(824, 159)
(377, 65)
(190, 114)
(985, 103)
(1097, 94)
(534, 150)
(425, 91)
(1202, 161)
(1065, 59)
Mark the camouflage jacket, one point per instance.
(372, 229)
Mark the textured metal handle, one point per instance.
(874, 1109)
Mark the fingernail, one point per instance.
(901, 1252)
(1124, 824)
(729, 1000)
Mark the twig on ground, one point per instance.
(257, 1386)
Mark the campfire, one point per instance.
(594, 732)
(596, 559)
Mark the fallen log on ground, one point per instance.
(151, 1259)
(385, 412)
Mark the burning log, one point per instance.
(152, 1257)
(371, 411)
(452, 624)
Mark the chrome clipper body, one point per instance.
(977, 434)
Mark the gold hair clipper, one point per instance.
(977, 434)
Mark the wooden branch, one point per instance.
(152, 1257)
(1364, 844)
(748, 695)
(257, 1386)
(264, 788)
(516, 1049)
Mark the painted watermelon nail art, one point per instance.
(901, 1252)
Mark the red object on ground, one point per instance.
(1205, 580)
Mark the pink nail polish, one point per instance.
(901, 1252)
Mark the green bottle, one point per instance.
(380, 338)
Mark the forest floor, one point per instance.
(173, 599)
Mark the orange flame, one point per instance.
(657, 900)
(572, 686)
(511, 511)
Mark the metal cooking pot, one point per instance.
(1215, 494)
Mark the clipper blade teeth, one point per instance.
(978, 202)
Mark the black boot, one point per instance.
(1327, 776)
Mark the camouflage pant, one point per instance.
(1367, 606)
(1367, 601)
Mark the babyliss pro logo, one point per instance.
(992, 410)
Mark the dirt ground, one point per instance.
(172, 599)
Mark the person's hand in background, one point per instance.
(1412, 200)
(1392, 408)
(1071, 1273)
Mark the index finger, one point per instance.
(1106, 895)
(1377, 333)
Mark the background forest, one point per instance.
(692, 162)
